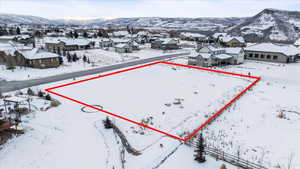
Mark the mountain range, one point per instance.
(269, 24)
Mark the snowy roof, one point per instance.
(230, 38)
(195, 35)
(120, 33)
(205, 55)
(23, 36)
(121, 45)
(7, 48)
(10, 47)
(7, 37)
(16, 99)
(68, 41)
(169, 41)
(144, 33)
(223, 56)
(118, 40)
(297, 43)
(217, 35)
(233, 50)
(288, 50)
(37, 53)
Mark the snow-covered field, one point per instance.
(252, 124)
(66, 137)
(97, 57)
(173, 99)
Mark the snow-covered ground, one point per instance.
(173, 99)
(97, 57)
(66, 137)
(253, 125)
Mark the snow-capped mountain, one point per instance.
(203, 24)
(24, 19)
(270, 24)
(80, 22)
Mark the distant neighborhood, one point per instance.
(46, 46)
(150, 92)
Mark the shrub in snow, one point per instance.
(48, 97)
(281, 115)
(40, 94)
(223, 166)
(30, 92)
(54, 103)
(107, 123)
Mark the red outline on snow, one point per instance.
(257, 79)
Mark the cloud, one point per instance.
(142, 8)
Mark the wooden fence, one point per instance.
(232, 159)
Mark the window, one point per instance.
(256, 55)
(262, 56)
(275, 57)
(268, 56)
(250, 55)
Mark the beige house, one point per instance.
(232, 41)
(271, 52)
(212, 55)
(66, 44)
(28, 57)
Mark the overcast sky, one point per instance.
(87, 9)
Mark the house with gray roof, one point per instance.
(214, 55)
(271, 52)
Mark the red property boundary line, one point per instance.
(211, 119)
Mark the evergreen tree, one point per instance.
(132, 30)
(69, 57)
(70, 34)
(75, 34)
(30, 92)
(59, 52)
(99, 33)
(95, 35)
(64, 52)
(107, 123)
(48, 97)
(128, 29)
(200, 150)
(40, 94)
(85, 35)
(74, 58)
(61, 61)
(84, 58)
(18, 31)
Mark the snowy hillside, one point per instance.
(24, 19)
(270, 24)
(203, 24)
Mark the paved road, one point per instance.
(16, 85)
